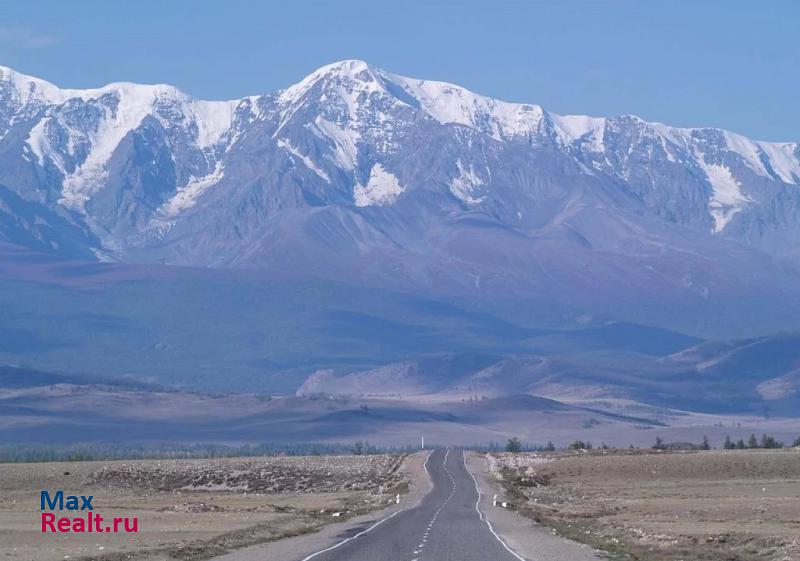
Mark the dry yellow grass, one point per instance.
(191, 509)
(710, 505)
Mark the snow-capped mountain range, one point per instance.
(358, 173)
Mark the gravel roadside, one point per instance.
(299, 547)
(532, 541)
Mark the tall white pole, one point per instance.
(422, 437)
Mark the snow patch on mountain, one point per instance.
(778, 161)
(308, 162)
(39, 145)
(727, 198)
(382, 188)
(123, 106)
(344, 140)
(465, 183)
(186, 196)
(213, 119)
(118, 121)
(783, 160)
(570, 128)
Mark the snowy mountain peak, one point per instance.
(29, 89)
(136, 159)
(451, 104)
(25, 89)
(352, 82)
(350, 67)
(345, 72)
(74, 133)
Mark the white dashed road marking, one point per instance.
(421, 546)
(378, 523)
(482, 517)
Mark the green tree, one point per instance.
(513, 445)
(705, 445)
(770, 442)
(659, 445)
(752, 442)
(796, 442)
(728, 444)
(740, 445)
(551, 447)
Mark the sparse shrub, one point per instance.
(581, 445)
(659, 445)
(513, 445)
(551, 447)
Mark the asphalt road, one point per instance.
(445, 526)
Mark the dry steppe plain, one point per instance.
(193, 509)
(741, 505)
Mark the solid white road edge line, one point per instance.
(361, 533)
(482, 517)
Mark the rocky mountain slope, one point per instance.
(143, 166)
(366, 177)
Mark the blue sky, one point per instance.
(692, 63)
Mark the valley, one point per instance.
(364, 281)
(55, 414)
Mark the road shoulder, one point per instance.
(299, 547)
(524, 536)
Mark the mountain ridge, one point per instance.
(212, 121)
(362, 176)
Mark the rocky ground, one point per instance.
(741, 505)
(192, 509)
